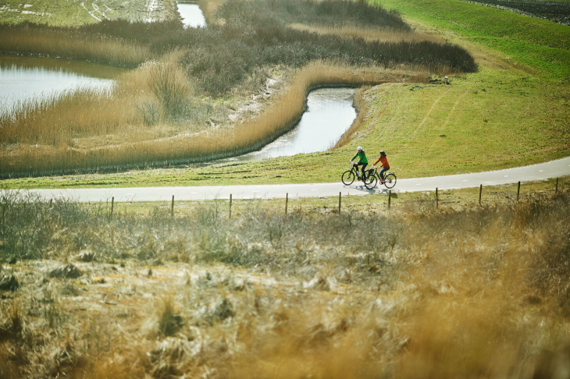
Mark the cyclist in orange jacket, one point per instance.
(385, 165)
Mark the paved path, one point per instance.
(552, 169)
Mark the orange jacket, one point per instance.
(384, 161)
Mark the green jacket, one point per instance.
(362, 156)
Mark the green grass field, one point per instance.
(540, 44)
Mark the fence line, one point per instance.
(389, 201)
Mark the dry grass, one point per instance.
(414, 293)
(371, 34)
(71, 44)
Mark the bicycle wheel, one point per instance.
(348, 177)
(371, 180)
(390, 180)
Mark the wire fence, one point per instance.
(427, 199)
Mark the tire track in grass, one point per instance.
(425, 118)
(429, 112)
(98, 11)
(453, 109)
(91, 14)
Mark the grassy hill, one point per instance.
(540, 44)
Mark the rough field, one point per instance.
(414, 292)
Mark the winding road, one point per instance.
(542, 171)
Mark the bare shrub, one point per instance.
(170, 85)
(169, 321)
(8, 282)
(68, 271)
(150, 113)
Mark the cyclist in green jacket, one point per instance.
(362, 161)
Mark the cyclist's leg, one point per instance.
(363, 170)
(382, 171)
(356, 165)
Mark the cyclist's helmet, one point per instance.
(382, 153)
(359, 148)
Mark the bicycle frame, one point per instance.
(377, 173)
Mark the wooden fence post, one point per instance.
(436, 199)
(286, 202)
(556, 191)
(518, 191)
(172, 207)
(112, 205)
(389, 198)
(480, 193)
(230, 205)
(339, 201)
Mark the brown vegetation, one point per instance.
(371, 34)
(33, 39)
(417, 292)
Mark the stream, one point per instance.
(330, 113)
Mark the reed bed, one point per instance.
(417, 292)
(68, 43)
(371, 34)
(332, 13)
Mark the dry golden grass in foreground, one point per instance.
(419, 292)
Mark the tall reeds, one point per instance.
(69, 43)
(171, 87)
(371, 34)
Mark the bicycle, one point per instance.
(389, 179)
(370, 179)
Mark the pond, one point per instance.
(26, 78)
(192, 16)
(330, 113)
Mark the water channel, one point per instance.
(330, 113)
(192, 16)
(26, 78)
